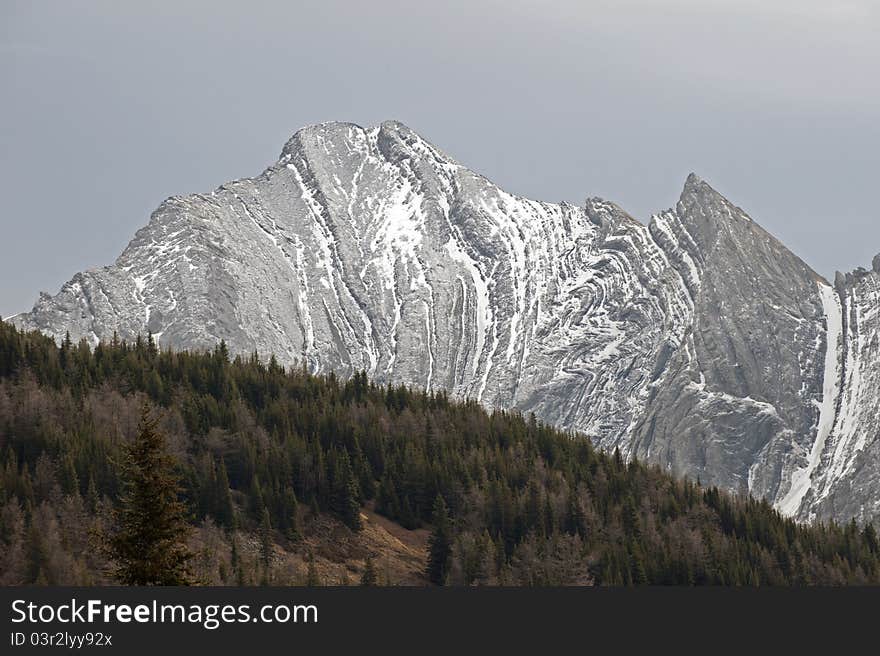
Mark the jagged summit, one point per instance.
(692, 182)
(316, 131)
(699, 199)
(341, 134)
(696, 187)
(698, 341)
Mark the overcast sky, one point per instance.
(107, 108)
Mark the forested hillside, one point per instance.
(291, 478)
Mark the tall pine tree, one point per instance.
(148, 546)
(369, 577)
(440, 544)
(344, 492)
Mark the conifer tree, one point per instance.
(148, 546)
(313, 579)
(369, 577)
(440, 543)
(575, 521)
(69, 480)
(225, 512)
(869, 535)
(291, 510)
(344, 493)
(233, 557)
(92, 496)
(265, 539)
(37, 555)
(257, 500)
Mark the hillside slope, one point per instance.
(330, 472)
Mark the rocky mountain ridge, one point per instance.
(697, 341)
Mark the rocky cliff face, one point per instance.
(697, 341)
(738, 399)
(845, 478)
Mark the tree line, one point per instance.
(258, 449)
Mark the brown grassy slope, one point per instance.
(339, 554)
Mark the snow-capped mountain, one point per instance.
(698, 342)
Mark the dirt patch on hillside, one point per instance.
(339, 554)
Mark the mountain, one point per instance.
(698, 341)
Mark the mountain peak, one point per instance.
(317, 132)
(394, 138)
(396, 126)
(693, 180)
(701, 203)
(327, 127)
(697, 187)
(709, 216)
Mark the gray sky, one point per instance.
(109, 107)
